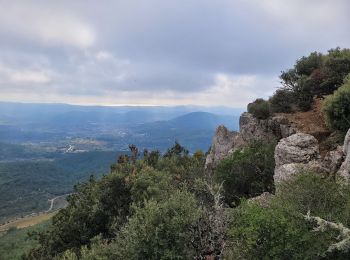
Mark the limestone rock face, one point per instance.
(333, 160)
(223, 143)
(344, 170)
(270, 129)
(297, 148)
(294, 154)
(287, 171)
(251, 128)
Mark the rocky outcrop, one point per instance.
(333, 160)
(223, 143)
(295, 154)
(262, 200)
(286, 171)
(251, 128)
(297, 148)
(300, 152)
(344, 170)
(270, 129)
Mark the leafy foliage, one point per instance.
(271, 233)
(321, 196)
(337, 108)
(314, 75)
(96, 208)
(281, 230)
(260, 109)
(281, 101)
(247, 173)
(131, 191)
(160, 230)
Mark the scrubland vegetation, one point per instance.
(168, 206)
(317, 75)
(170, 209)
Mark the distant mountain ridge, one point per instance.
(195, 120)
(58, 125)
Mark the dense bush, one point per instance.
(281, 231)
(150, 184)
(306, 65)
(337, 66)
(133, 189)
(172, 211)
(160, 230)
(281, 101)
(337, 108)
(247, 172)
(321, 196)
(314, 75)
(260, 109)
(271, 233)
(303, 95)
(97, 207)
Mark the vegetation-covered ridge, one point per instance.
(315, 76)
(28, 185)
(169, 207)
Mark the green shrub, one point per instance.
(306, 65)
(247, 173)
(271, 233)
(314, 75)
(260, 109)
(97, 207)
(281, 231)
(313, 192)
(337, 108)
(281, 101)
(303, 93)
(160, 230)
(150, 183)
(337, 66)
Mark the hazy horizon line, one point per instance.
(117, 105)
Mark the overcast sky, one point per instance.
(159, 52)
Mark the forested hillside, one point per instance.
(26, 185)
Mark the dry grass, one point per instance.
(312, 122)
(27, 221)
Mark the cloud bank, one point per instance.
(158, 52)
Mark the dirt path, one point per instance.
(52, 201)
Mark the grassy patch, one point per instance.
(15, 242)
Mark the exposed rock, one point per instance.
(344, 170)
(223, 143)
(251, 128)
(346, 147)
(297, 148)
(263, 199)
(287, 171)
(333, 160)
(270, 129)
(294, 154)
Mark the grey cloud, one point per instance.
(154, 47)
